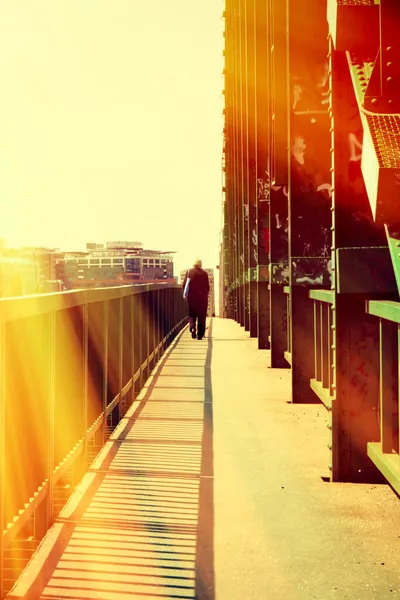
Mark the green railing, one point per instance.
(71, 364)
(324, 356)
(385, 453)
(288, 352)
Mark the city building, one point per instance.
(45, 261)
(17, 276)
(28, 270)
(37, 270)
(114, 263)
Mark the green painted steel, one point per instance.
(328, 205)
(394, 248)
(384, 310)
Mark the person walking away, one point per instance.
(197, 298)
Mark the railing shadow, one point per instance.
(142, 521)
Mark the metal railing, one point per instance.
(385, 453)
(288, 352)
(323, 383)
(71, 364)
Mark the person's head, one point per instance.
(198, 263)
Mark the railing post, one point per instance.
(138, 318)
(146, 334)
(2, 449)
(289, 321)
(153, 326)
(332, 353)
(169, 313)
(318, 307)
(171, 323)
(133, 347)
(79, 467)
(162, 319)
(105, 368)
(156, 325)
(85, 357)
(52, 402)
(118, 408)
(155, 317)
(387, 351)
(44, 512)
(325, 353)
(163, 295)
(398, 389)
(178, 310)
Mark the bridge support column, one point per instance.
(302, 345)
(278, 327)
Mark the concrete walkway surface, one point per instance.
(212, 487)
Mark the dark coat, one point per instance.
(199, 288)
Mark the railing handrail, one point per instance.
(322, 295)
(22, 307)
(384, 309)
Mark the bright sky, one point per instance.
(111, 124)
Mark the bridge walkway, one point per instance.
(213, 486)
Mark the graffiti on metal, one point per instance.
(279, 273)
(311, 271)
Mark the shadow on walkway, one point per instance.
(141, 523)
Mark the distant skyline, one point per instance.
(111, 119)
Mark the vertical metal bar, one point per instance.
(279, 324)
(149, 326)
(167, 321)
(386, 383)
(280, 65)
(262, 81)
(118, 408)
(252, 165)
(154, 318)
(51, 416)
(236, 282)
(317, 339)
(330, 349)
(159, 326)
(227, 276)
(163, 295)
(105, 367)
(398, 390)
(170, 315)
(85, 382)
(245, 161)
(302, 345)
(242, 157)
(324, 345)
(2, 452)
(332, 356)
(146, 333)
(288, 322)
(165, 313)
(156, 323)
(332, 362)
(139, 300)
(133, 315)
